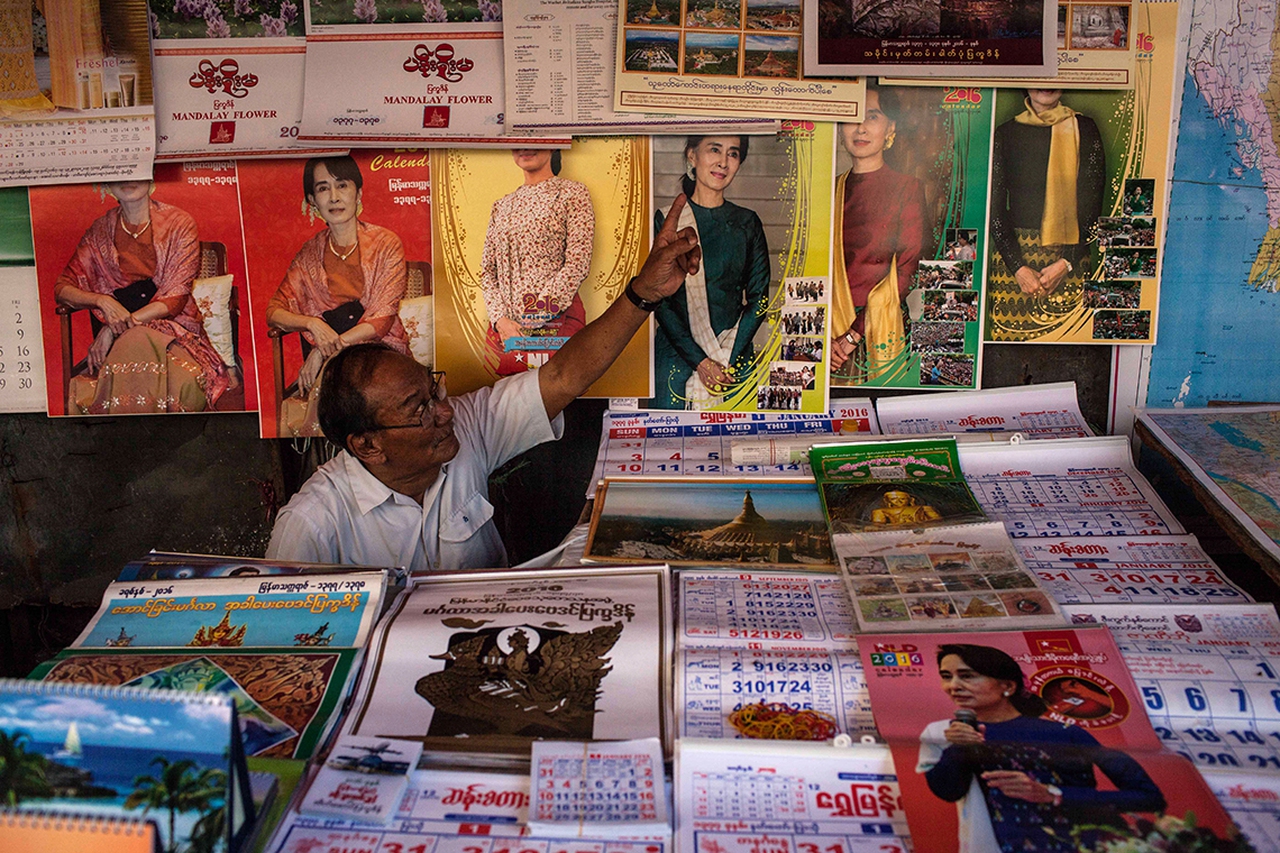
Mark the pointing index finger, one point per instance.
(669, 225)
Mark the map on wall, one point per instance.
(1219, 302)
(1232, 452)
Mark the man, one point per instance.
(410, 487)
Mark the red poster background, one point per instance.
(276, 224)
(905, 699)
(60, 215)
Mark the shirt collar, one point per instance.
(370, 492)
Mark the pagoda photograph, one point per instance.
(652, 50)
(719, 523)
(654, 12)
(772, 56)
(777, 15)
(711, 53)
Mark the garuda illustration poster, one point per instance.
(490, 661)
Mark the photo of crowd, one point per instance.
(777, 397)
(792, 375)
(943, 369)
(937, 337)
(806, 290)
(1129, 263)
(1112, 294)
(1125, 231)
(949, 275)
(950, 305)
(1111, 325)
(802, 349)
(803, 321)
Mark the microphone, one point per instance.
(968, 716)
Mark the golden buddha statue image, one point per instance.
(902, 508)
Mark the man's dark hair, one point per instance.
(343, 409)
(342, 168)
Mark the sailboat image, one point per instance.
(71, 749)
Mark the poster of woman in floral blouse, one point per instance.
(530, 245)
(537, 252)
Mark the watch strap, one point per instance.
(638, 300)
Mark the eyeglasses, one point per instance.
(425, 414)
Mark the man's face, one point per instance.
(400, 392)
(897, 499)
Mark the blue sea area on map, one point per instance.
(1235, 437)
(1216, 338)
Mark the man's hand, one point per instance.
(675, 255)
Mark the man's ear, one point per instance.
(367, 448)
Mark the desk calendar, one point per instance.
(1069, 487)
(1139, 570)
(74, 149)
(22, 387)
(699, 444)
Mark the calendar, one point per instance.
(731, 610)
(1068, 487)
(1116, 569)
(1036, 411)
(22, 382)
(446, 812)
(700, 444)
(598, 789)
(1252, 800)
(1209, 676)
(804, 797)
(745, 694)
(76, 149)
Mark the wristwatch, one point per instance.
(638, 300)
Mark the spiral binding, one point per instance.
(44, 820)
(23, 687)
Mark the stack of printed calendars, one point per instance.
(474, 668)
(1033, 713)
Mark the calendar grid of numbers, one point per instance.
(699, 444)
(593, 788)
(1209, 676)
(77, 150)
(1114, 569)
(730, 610)
(1073, 487)
(22, 379)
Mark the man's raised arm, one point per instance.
(587, 355)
